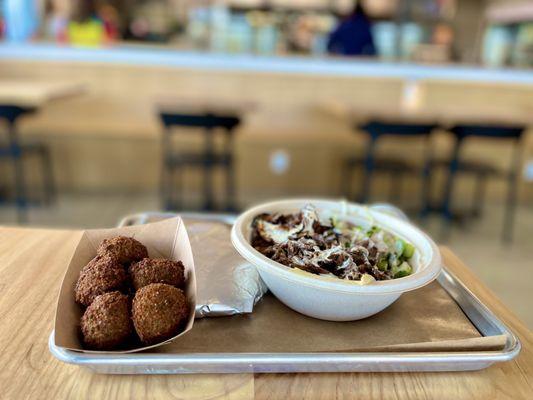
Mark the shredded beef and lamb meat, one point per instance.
(341, 249)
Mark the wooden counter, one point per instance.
(108, 139)
(33, 262)
(28, 94)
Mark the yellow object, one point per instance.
(87, 34)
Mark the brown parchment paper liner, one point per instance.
(166, 239)
(427, 319)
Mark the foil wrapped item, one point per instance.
(226, 283)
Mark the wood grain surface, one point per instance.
(204, 105)
(32, 265)
(421, 112)
(33, 94)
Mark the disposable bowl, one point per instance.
(330, 298)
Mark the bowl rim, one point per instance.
(429, 269)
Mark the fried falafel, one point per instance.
(159, 311)
(106, 323)
(157, 270)
(102, 274)
(124, 249)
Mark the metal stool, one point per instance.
(175, 162)
(483, 171)
(480, 171)
(16, 152)
(397, 168)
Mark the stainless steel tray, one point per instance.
(146, 363)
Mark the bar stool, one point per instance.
(16, 152)
(174, 162)
(396, 168)
(482, 171)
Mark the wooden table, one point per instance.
(34, 94)
(359, 111)
(31, 268)
(206, 104)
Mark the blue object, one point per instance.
(353, 37)
(21, 19)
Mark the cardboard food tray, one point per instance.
(166, 239)
(440, 327)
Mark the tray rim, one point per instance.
(511, 349)
(472, 307)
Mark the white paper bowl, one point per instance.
(331, 298)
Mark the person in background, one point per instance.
(57, 15)
(110, 18)
(86, 29)
(443, 37)
(353, 36)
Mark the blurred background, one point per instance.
(112, 107)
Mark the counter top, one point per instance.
(138, 55)
(446, 115)
(33, 94)
(33, 263)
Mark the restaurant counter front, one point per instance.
(304, 108)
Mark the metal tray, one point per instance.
(145, 363)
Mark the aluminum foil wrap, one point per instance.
(226, 283)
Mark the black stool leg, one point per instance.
(230, 172)
(512, 192)
(479, 195)
(395, 189)
(427, 170)
(22, 203)
(165, 183)
(48, 175)
(369, 169)
(510, 207)
(18, 167)
(448, 193)
(176, 197)
(230, 185)
(164, 186)
(208, 171)
(425, 193)
(346, 180)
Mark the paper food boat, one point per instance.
(167, 239)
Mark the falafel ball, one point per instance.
(157, 270)
(158, 312)
(106, 324)
(123, 248)
(102, 274)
